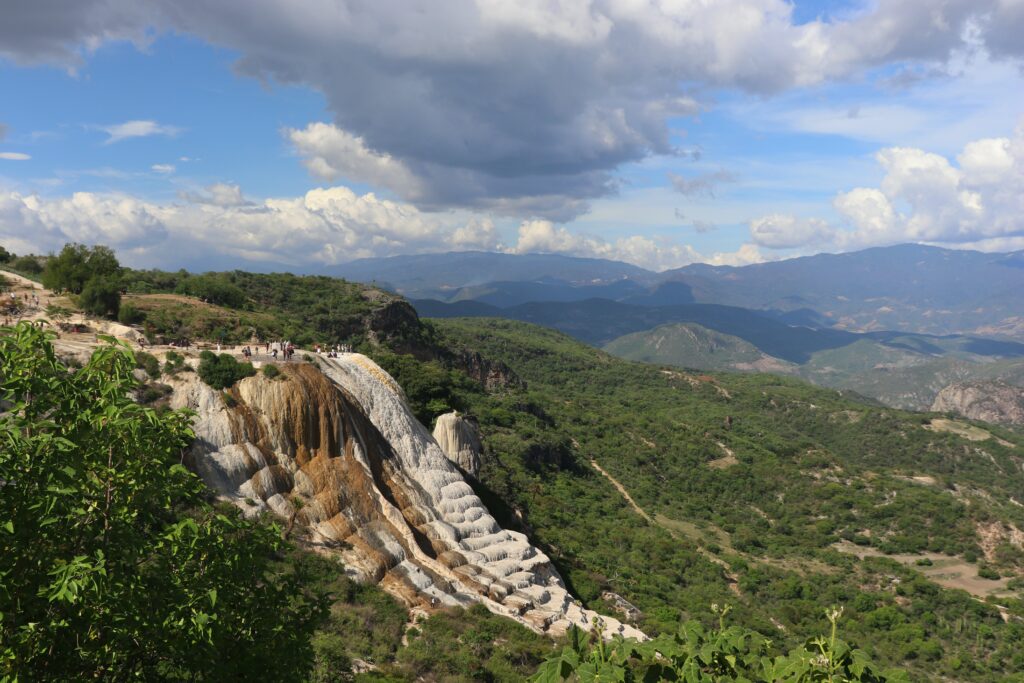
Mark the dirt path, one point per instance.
(732, 578)
(727, 460)
(625, 494)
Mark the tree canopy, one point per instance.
(110, 557)
(76, 264)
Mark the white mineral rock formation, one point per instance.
(460, 441)
(374, 487)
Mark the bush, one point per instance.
(130, 315)
(154, 391)
(222, 371)
(147, 362)
(987, 572)
(27, 264)
(101, 296)
(175, 362)
(214, 288)
(271, 371)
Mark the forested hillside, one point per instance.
(755, 490)
(659, 493)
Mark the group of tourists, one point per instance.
(28, 300)
(284, 349)
(333, 352)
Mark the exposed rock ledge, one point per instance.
(375, 488)
(986, 401)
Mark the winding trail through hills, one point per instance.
(625, 494)
(726, 570)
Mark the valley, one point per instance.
(662, 490)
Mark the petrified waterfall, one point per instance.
(459, 440)
(337, 450)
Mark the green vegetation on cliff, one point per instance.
(234, 306)
(746, 485)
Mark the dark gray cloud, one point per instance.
(524, 107)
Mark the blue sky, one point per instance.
(306, 134)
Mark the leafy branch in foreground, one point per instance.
(729, 653)
(112, 565)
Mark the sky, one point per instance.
(306, 133)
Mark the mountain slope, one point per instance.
(426, 275)
(909, 287)
(761, 473)
(694, 346)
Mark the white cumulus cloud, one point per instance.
(976, 200)
(136, 129)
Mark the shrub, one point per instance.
(729, 653)
(154, 391)
(987, 572)
(101, 296)
(27, 264)
(214, 288)
(271, 371)
(222, 371)
(147, 362)
(175, 362)
(129, 314)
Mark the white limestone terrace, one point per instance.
(375, 487)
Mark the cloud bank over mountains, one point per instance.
(470, 111)
(976, 200)
(326, 226)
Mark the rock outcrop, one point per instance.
(459, 438)
(338, 451)
(996, 402)
(493, 375)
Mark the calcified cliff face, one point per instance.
(340, 452)
(987, 401)
(459, 440)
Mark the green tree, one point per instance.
(5, 255)
(220, 372)
(76, 264)
(112, 566)
(101, 296)
(26, 264)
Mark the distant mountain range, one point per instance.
(897, 324)
(910, 288)
(442, 276)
